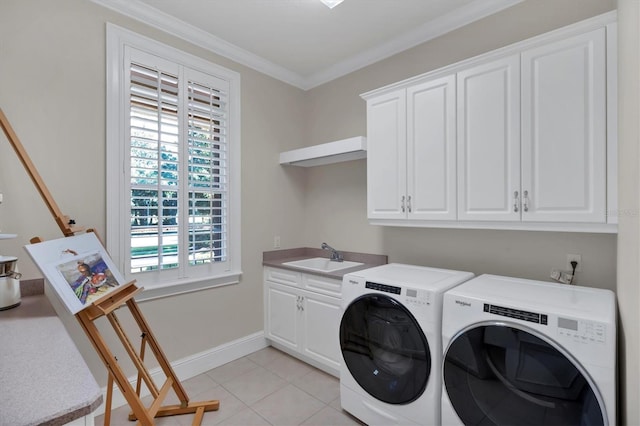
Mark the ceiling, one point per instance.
(303, 42)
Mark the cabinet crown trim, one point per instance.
(586, 25)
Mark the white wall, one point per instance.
(629, 226)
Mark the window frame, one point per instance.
(119, 40)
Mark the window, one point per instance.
(173, 169)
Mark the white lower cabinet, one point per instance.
(283, 315)
(320, 326)
(302, 316)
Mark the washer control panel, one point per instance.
(383, 287)
(583, 331)
(412, 296)
(417, 297)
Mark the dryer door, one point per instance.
(506, 375)
(385, 349)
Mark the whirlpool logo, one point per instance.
(462, 303)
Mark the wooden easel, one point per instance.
(106, 307)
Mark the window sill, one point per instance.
(187, 286)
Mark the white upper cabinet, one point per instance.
(564, 141)
(520, 138)
(386, 156)
(411, 152)
(431, 150)
(489, 141)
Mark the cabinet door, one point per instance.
(564, 130)
(431, 150)
(321, 326)
(386, 156)
(489, 141)
(283, 314)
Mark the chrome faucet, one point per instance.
(336, 256)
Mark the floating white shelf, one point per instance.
(333, 152)
(7, 236)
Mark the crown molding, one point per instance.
(427, 31)
(148, 15)
(153, 17)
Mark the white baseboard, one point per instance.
(193, 365)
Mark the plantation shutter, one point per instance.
(155, 167)
(208, 173)
(179, 174)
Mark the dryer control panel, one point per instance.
(583, 331)
(516, 313)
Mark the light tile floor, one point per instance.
(267, 387)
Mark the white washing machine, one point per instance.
(523, 352)
(390, 339)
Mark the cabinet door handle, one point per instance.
(301, 303)
(516, 201)
(409, 203)
(402, 204)
(526, 201)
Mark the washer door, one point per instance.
(502, 375)
(385, 349)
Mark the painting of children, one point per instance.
(78, 268)
(89, 277)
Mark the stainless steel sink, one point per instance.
(322, 264)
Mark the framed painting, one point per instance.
(78, 268)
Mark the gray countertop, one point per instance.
(277, 258)
(43, 377)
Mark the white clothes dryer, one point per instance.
(390, 339)
(524, 352)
